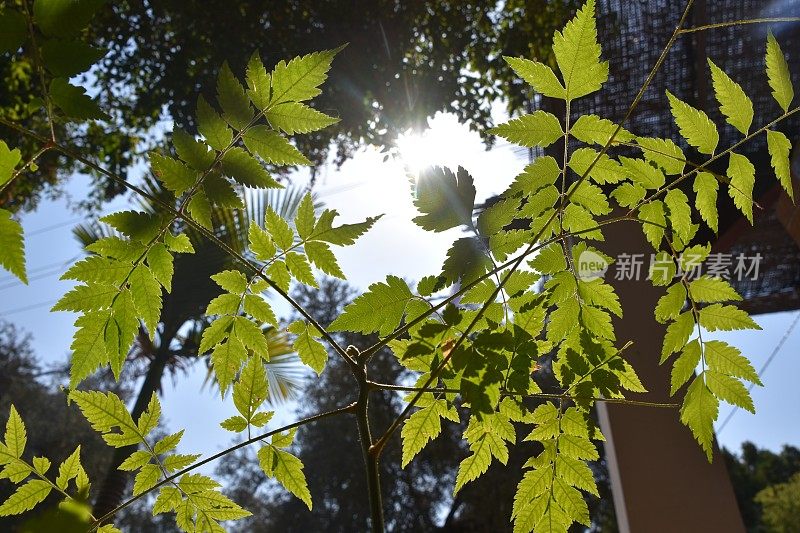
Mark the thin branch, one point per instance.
(17, 173)
(542, 395)
(713, 158)
(738, 23)
(341, 410)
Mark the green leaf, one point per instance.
(168, 443)
(13, 30)
(590, 196)
(224, 304)
(310, 350)
(246, 170)
(211, 126)
(63, 18)
(779, 146)
(12, 247)
(251, 390)
(259, 309)
(73, 101)
(540, 128)
(677, 334)
(694, 125)
(705, 188)
(733, 102)
(175, 176)
(279, 229)
(305, 220)
(160, 262)
(652, 213)
(294, 118)
(729, 389)
(742, 174)
(778, 73)
(699, 411)
(344, 235)
(200, 209)
(279, 274)
(664, 153)
(605, 170)
(9, 159)
(722, 357)
(600, 294)
(169, 498)
(179, 461)
(69, 469)
(578, 54)
(629, 194)
(251, 335)
(260, 242)
(272, 147)
(135, 461)
(669, 306)
(300, 268)
(235, 104)
(543, 171)
(579, 220)
(708, 289)
(473, 466)
(321, 255)
(421, 427)
(236, 423)
(300, 78)
(231, 281)
(538, 75)
(227, 359)
(549, 260)
(258, 82)
(105, 412)
(67, 58)
(576, 473)
(643, 173)
(287, 470)
(146, 479)
(680, 214)
(26, 497)
(194, 152)
(684, 366)
(467, 259)
(445, 199)
(148, 420)
(380, 309)
(15, 437)
(718, 317)
(592, 129)
(146, 292)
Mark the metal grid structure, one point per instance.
(633, 33)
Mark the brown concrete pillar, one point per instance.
(661, 480)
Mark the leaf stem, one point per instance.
(738, 23)
(543, 395)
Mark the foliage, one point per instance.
(781, 509)
(516, 297)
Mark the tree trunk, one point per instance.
(113, 487)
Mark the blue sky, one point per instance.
(363, 187)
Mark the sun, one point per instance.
(441, 144)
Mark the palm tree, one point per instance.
(174, 345)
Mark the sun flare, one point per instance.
(441, 144)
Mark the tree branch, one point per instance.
(304, 421)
